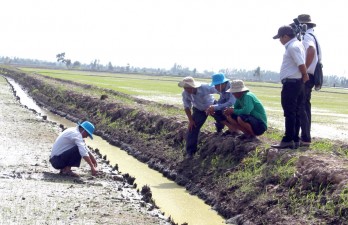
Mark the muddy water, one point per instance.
(172, 199)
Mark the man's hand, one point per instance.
(191, 125)
(305, 78)
(94, 171)
(210, 111)
(228, 111)
(94, 162)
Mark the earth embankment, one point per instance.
(32, 192)
(244, 180)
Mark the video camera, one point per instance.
(299, 29)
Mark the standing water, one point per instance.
(171, 198)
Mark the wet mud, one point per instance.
(32, 192)
(158, 141)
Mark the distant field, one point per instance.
(329, 105)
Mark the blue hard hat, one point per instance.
(89, 127)
(218, 78)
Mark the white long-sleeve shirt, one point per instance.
(68, 139)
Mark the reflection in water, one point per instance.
(172, 199)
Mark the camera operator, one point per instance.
(309, 42)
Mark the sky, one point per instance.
(202, 34)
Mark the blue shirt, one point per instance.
(201, 100)
(226, 99)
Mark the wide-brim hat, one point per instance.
(218, 78)
(237, 86)
(87, 126)
(305, 18)
(189, 82)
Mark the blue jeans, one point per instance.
(71, 158)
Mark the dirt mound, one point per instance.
(242, 179)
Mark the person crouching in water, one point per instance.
(248, 114)
(69, 148)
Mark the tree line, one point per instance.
(177, 70)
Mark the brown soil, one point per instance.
(32, 192)
(158, 141)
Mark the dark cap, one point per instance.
(284, 30)
(305, 18)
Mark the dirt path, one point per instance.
(31, 192)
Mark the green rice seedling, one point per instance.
(284, 170)
(322, 146)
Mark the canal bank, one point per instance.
(242, 179)
(32, 192)
(171, 198)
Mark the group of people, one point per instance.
(297, 76)
(237, 108)
(241, 111)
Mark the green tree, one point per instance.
(61, 57)
(76, 64)
(257, 73)
(110, 67)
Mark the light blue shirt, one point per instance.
(226, 99)
(201, 100)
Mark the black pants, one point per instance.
(219, 117)
(292, 102)
(192, 136)
(71, 158)
(306, 115)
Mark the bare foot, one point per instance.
(68, 173)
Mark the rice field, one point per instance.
(329, 105)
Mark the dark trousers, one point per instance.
(306, 115)
(292, 102)
(71, 158)
(219, 117)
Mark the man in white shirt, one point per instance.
(293, 75)
(313, 55)
(69, 148)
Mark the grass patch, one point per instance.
(244, 179)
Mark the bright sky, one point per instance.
(202, 34)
